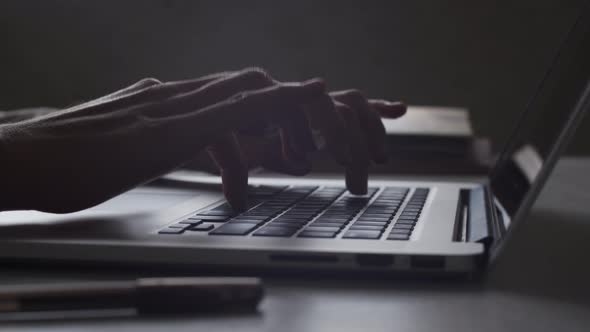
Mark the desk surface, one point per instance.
(541, 285)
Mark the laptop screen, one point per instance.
(546, 116)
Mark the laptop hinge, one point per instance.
(476, 220)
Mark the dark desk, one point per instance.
(542, 285)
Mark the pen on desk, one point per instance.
(147, 296)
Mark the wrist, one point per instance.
(8, 177)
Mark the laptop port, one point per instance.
(374, 260)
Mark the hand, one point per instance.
(81, 156)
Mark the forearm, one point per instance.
(6, 179)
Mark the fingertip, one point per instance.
(389, 109)
(236, 198)
(357, 181)
(235, 188)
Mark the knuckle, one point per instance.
(148, 81)
(355, 96)
(256, 76)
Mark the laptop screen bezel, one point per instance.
(558, 145)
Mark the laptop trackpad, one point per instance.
(145, 200)
(123, 216)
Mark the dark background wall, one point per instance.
(483, 55)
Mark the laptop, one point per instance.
(430, 227)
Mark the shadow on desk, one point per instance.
(548, 258)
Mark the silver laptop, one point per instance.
(399, 226)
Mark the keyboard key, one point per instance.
(373, 219)
(234, 229)
(211, 218)
(201, 227)
(409, 215)
(286, 225)
(362, 234)
(171, 231)
(328, 224)
(248, 217)
(248, 221)
(398, 237)
(403, 226)
(382, 210)
(289, 221)
(179, 225)
(275, 231)
(370, 223)
(190, 221)
(405, 222)
(405, 218)
(310, 233)
(367, 228)
(322, 229)
(292, 218)
(401, 231)
(217, 213)
(376, 215)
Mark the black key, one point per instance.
(401, 231)
(333, 225)
(409, 214)
(376, 215)
(171, 231)
(371, 223)
(322, 229)
(405, 222)
(399, 237)
(373, 220)
(309, 233)
(412, 209)
(369, 218)
(201, 227)
(217, 213)
(190, 221)
(384, 210)
(330, 222)
(367, 228)
(234, 229)
(290, 221)
(251, 217)
(294, 216)
(301, 211)
(266, 209)
(344, 216)
(403, 226)
(248, 221)
(406, 217)
(211, 218)
(333, 219)
(286, 225)
(179, 225)
(275, 231)
(362, 235)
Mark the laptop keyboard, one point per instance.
(313, 212)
